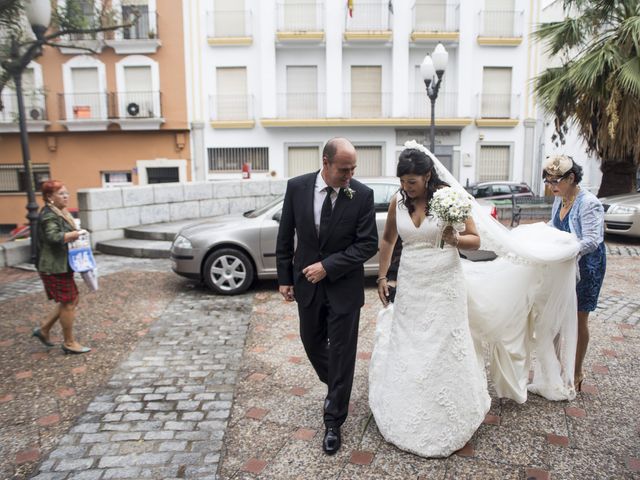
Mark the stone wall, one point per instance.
(106, 212)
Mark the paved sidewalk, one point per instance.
(186, 384)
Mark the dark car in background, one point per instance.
(499, 190)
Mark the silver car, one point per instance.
(622, 214)
(229, 252)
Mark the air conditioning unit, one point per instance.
(36, 114)
(133, 109)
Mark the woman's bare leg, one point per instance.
(583, 343)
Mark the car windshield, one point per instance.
(259, 211)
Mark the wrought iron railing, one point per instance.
(301, 16)
(301, 105)
(498, 105)
(83, 106)
(369, 16)
(231, 107)
(133, 105)
(229, 23)
(367, 105)
(501, 23)
(446, 105)
(35, 107)
(436, 16)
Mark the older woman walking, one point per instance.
(580, 212)
(56, 228)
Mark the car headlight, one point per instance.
(182, 242)
(622, 209)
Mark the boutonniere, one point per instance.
(349, 192)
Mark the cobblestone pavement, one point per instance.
(214, 386)
(164, 411)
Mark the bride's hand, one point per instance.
(383, 291)
(450, 236)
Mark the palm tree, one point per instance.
(597, 87)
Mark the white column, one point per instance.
(334, 27)
(402, 26)
(265, 38)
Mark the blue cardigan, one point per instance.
(586, 220)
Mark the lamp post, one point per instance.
(432, 70)
(39, 16)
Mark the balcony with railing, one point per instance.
(229, 27)
(93, 40)
(369, 21)
(498, 110)
(136, 110)
(84, 111)
(300, 20)
(367, 105)
(307, 106)
(500, 27)
(436, 20)
(232, 111)
(35, 108)
(141, 37)
(446, 106)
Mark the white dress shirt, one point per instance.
(318, 199)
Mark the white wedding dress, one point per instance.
(427, 387)
(427, 390)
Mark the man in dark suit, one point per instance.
(333, 217)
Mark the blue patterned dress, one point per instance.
(592, 268)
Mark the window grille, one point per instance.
(231, 159)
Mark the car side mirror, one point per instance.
(277, 216)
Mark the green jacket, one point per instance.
(52, 251)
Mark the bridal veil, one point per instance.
(522, 306)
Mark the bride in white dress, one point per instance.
(427, 386)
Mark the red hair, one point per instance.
(49, 187)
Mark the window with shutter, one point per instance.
(366, 92)
(302, 160)
(493, 163)
(302, 92)
(232, 101)
(369, 160)
(86, 101)
(496, 92)
(229, 18)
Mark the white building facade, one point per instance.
(269, 81)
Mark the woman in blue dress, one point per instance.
(580, 212)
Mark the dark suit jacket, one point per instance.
(351, 240)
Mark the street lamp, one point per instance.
(39, 16)
(432, 70)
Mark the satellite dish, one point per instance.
(133, 109)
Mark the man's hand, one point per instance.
(287, 292)
(314, 273)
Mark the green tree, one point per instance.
(70, 20)
(597, 87)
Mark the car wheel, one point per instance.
(228, 271)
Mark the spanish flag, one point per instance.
(350, 7)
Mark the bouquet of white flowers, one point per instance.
(451, 208)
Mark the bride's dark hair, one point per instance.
(415, 162)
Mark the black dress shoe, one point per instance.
(331, 442)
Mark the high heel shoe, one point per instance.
(38, 334)
(68, 351)
(577, 382)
